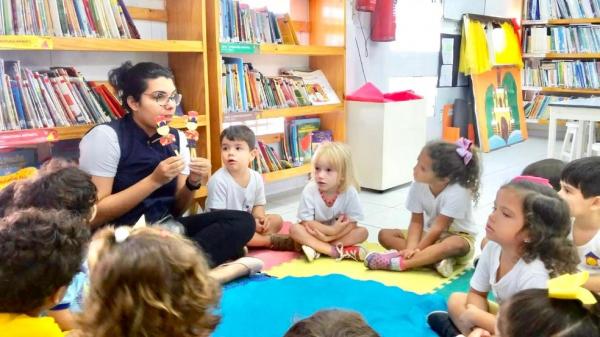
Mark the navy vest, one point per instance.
(140, 155)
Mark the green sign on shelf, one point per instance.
(238, 48)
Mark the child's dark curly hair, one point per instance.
(41, 251)
(532, 312)
(547, 221)
(154, 283)
(67, 188)
(447, 163)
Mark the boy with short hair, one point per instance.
(237, 187)
(40, 250)
(580, 187)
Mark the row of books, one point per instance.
(77, 18)
(247, 90)
(561, 9)
(50, 98)
(240, 23)
(538, 107)
(567, 74)
(578, 39)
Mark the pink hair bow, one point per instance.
(533, 179)
(464, 149)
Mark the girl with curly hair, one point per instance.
(528, 230)
(148, 282)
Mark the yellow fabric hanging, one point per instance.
(474, 51)
(474, 57)
(512, 52)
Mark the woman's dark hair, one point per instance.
(548, 222)
(41, 251)
(131, 80)
(447, 163)
(532, 313)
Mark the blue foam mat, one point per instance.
(269, 307)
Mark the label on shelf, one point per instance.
(25, 42)
(17, 138)
(238, 48)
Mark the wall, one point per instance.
(412, 60)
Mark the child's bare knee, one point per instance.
(457, 302)
(296, 230)
(362, 233)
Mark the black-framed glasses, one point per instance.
(162, 99)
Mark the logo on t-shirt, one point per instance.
(592, 260)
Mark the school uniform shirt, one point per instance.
(589, 254)
(225, 193)
(523, 275)
(454, 201)
(73, 299)
(20, 325)
(312, 206)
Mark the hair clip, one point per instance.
(569, 287)
(464, 149)
(533, 179)
(122, 233)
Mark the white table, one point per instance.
(582, 110)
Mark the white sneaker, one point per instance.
(445, 267)
(310, 253)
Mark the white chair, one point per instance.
(569, 142)
(596, 149)
(593, 148)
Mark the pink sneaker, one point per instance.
(383, 261)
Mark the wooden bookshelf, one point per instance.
(561, 21)
(286, 174)
(331, 59)
(563, 56)
(557, 90)
(185, 46)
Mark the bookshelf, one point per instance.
(560, 28)
(185, 48)
(325, 51)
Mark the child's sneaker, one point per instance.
(383, 261)
(284, 243)
(310, 253)
(445, 267)
(440, 322)
(356, 253)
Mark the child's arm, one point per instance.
(477, 313)
(64, 318)
(415, 229)
(217, 193)
(440, 224)
(262, 224)
(593, 283)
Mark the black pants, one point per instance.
(221, 234)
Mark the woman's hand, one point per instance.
(199, 170)
(167, 170)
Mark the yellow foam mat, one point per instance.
(420, 281)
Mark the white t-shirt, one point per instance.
(99, 152)
(454, 201)
(312, 206)
(225, 193)
(589, 254)
(523, 275)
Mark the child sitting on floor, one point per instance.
(40, 250)
(580, 182)
(527, 230)
(442, 230)
(332, 323)
(329, 208)
(148, 282)
(237, 187)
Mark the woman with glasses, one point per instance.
(135, 175)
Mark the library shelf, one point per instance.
(301, 111)
(287, 173)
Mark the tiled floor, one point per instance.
(386, 210)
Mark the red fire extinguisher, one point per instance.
(365, 5)
(383, 21)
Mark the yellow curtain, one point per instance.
(474, 52)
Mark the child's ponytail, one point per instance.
(458, 162)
